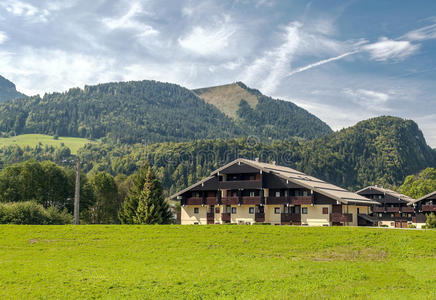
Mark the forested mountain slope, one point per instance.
(377, 151)
(8, 90)
(152, 112)
(261, 115)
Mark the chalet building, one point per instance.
(423, 207)
(247, 192)
(394, 210)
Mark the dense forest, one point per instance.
(380, 151)
(8, 90)
(150, 112)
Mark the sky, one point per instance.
(344, 61)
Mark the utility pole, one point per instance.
(77, 194)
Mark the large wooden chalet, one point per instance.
(423, 207)
(247, 192)
(394, 210)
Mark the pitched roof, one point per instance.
(423, 198)
(337, 193)
(389, 192)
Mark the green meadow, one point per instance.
(198, 262)
(34, 139)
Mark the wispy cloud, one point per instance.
(129, 21)
(22, 9)
(386, 49)
(421, 34)
(3, 37)
(211, 39)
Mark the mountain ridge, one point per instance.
(8, 90)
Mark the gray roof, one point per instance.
(324, 188)
(423, 198)
(388, 192)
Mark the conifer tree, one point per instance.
(145, 203)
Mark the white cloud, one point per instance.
(209, 40)
(22, 9)
(270, 68)
(129, 21)
(386, 49)
(421, 34)
(3, 37)
(375, 99)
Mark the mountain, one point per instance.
(8, 90)
(261, 115)
(152, 112)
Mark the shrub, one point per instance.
(431, 221)
(411, 226)
(31, 213)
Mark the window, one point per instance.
(305, 193)
(277, 210)
(228, 209)
(304, 210)
(278, 194)
(233, 210)
(195, 194)
(252, 194)
(217, 210)
(195, 210)
(325, 210)
(380, 215)
(286, 193)
(251, 210)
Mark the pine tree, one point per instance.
(145, 203)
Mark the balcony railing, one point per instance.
(295, 200)
(338, 217)
(259, 217)
(407, 209)
(225, 217)
(392, 209)
(428, 208)
(290, 217)
(194, 201)
(229, 200)
(378, 209)
(299, 200)
(251, 200)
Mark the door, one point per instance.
(397, 224)
(403, 224)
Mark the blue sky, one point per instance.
(344, 61)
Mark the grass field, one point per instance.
(34, 139)
(244, 262)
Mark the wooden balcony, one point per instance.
(378, 209)
(277, 200)
(194, 201)
(428, 208)
(392, 209)
(259, 217)
(295, 200)
(338, 217)
(407, 209)
(229, 200)
(211, 200)
(225, 217)
(240, 184)
(299, 200)
(290, 217)
(251, 200)
(210, 217)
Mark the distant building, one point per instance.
(394, 210)
(247, 192)
(423, 207)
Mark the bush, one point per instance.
(31, 213)
(411, 226)
(431, 221)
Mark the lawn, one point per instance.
(34, 139)
(244, 262)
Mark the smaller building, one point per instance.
(423, 207)
(394, 210)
